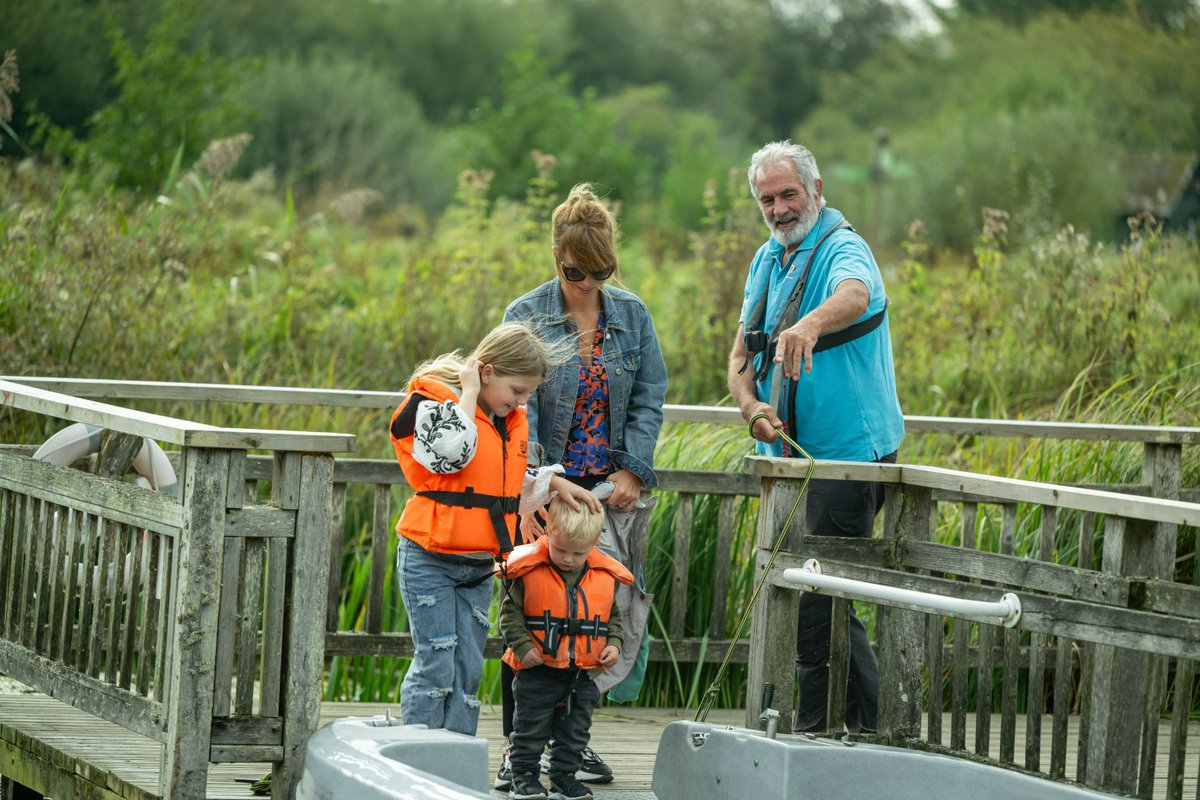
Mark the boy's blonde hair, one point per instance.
(513, 349)
(576, 527)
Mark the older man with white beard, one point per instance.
(813, 357)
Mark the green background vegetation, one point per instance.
(306, 193)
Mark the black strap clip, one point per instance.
(755, 343)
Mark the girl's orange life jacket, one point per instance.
(569, 625)
(473, 510)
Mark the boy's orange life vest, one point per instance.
(570, 626)
(473, 510)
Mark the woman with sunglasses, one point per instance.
(598, 416)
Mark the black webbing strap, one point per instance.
(791, 310)
(855, 331)
(497, 506)
(554, 628)
(756, 341)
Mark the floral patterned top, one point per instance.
(587, 443)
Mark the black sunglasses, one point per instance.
(575, 274)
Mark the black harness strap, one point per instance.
(791, 310)
(757, 341)
(855, 331)
(497, 506)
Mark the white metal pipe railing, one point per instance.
(1006, 611)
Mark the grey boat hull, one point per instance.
(371, 758)
(697, 760)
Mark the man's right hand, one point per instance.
(765, 429)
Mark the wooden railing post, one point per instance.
(304, 641)
(900, 634)
(193, 643)
(1123, 726)
(773, 623)
(1126, 685)
(1162, 471)
(117, 452)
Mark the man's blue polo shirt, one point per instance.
(846, 409)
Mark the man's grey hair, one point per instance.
(801, 158)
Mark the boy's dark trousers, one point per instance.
(552, 704)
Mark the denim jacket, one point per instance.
(637, 379)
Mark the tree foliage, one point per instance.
(733, 71)
(1174, 14)
(1033, 120)
(170, 99)
(1025, 106)
(332, 123)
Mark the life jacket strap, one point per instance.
(552, 629)
(497, 506)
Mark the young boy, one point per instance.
(560, 616)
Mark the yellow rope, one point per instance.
(710, 696)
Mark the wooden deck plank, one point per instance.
(626, 737)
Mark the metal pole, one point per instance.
(1006, 612)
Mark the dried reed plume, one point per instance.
(350, 206)
(9, 84)
(995, 224)
(222, 155)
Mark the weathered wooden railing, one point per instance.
(121, 654)
(369, 635)
(186, 619)
(1108, 639)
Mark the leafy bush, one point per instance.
(1018, 329)
(1040, 136)
(330, 124)
(171, 100)
(538, 112)
(66, 68)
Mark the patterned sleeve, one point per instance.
(445, 438)
(535, 488)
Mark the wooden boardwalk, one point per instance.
(626, 737)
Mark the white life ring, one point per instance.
(79, 440)
(154, 472)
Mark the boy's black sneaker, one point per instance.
(593, 769)
(574, 790)
(527, 787)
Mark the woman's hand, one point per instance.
(627, 489)
(574, 495)
(532, 658)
